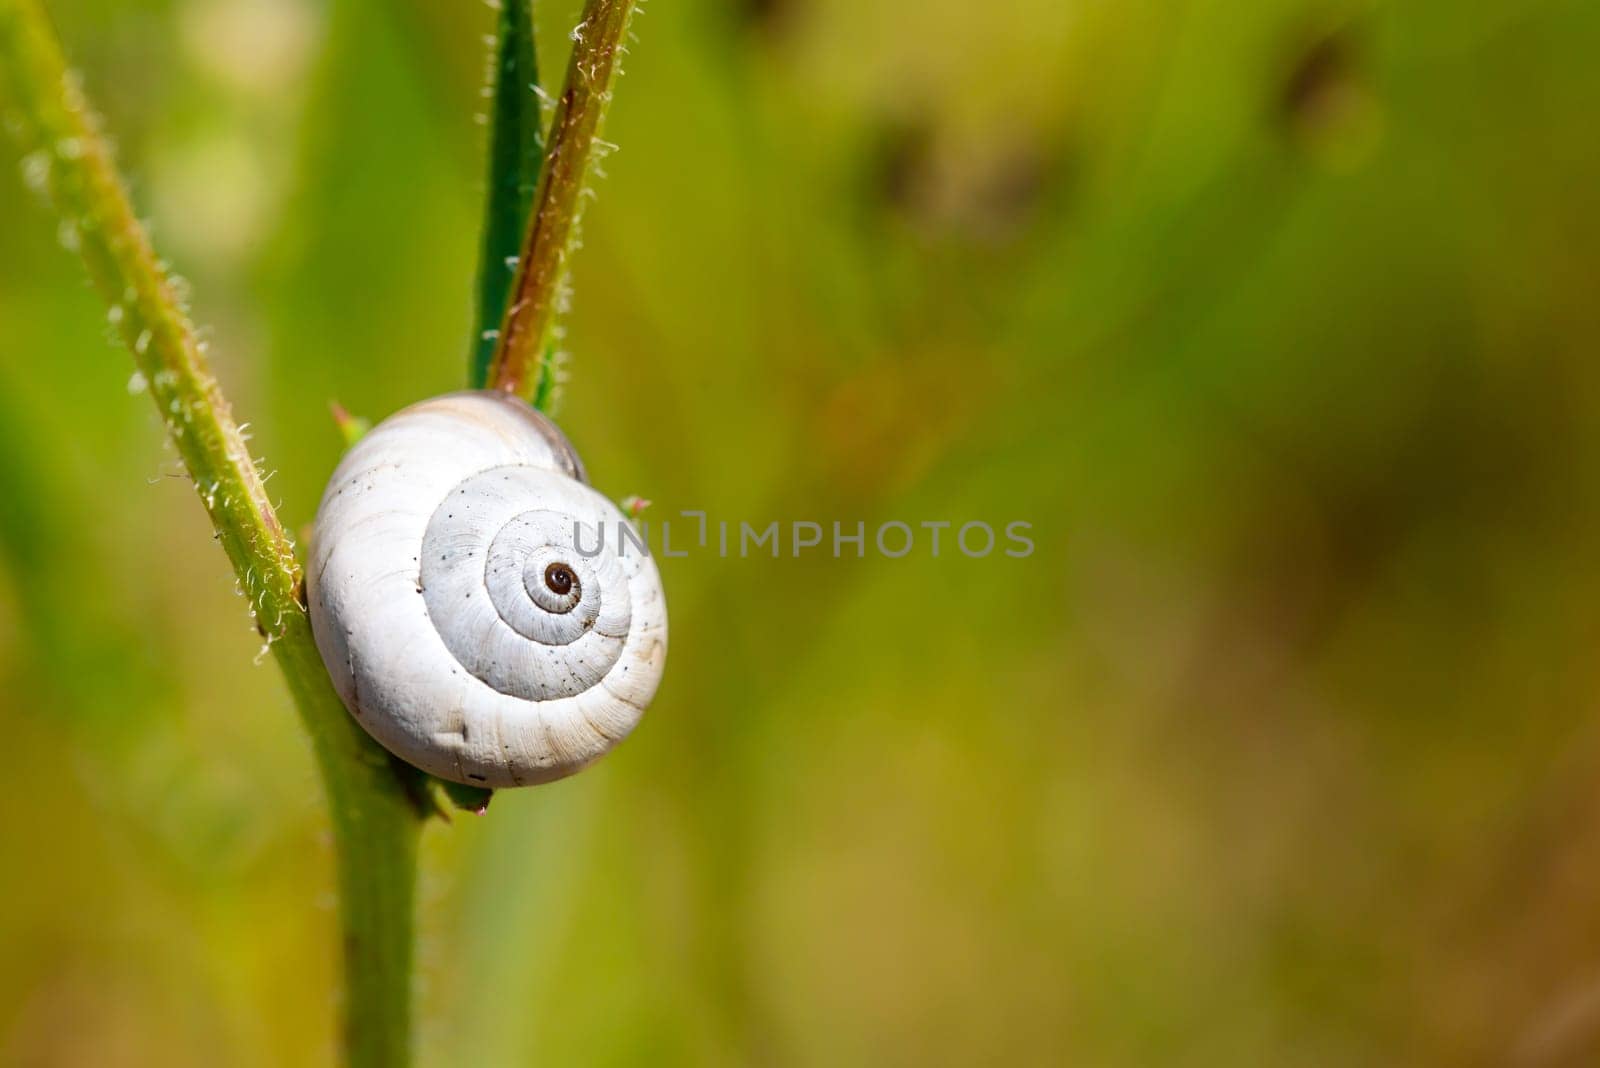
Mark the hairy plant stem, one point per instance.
(526, 339)
(375, 821)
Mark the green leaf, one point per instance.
(521, 363)
(544, 390)
(473, 799)
(516, 151)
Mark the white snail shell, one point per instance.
(460, 606)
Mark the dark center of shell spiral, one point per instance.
(560, 579)
(510, 594)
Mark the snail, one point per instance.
(473, 613)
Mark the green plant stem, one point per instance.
(516, 151)
(375, 823)
(536, 292)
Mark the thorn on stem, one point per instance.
(352, 428)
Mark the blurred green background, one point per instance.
(1278, 320)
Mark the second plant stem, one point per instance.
(375, 822)
(537, 291)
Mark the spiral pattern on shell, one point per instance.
(472, 598)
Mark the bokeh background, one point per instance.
(1277, 319)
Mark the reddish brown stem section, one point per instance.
(574, 135)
